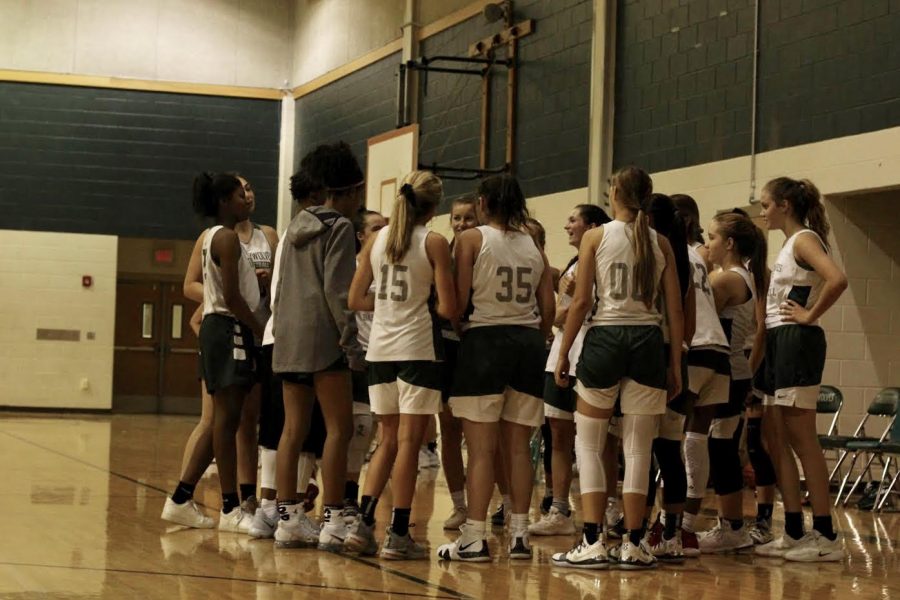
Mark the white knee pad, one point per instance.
(359, 443)
(267, 460)
(305, 465)
(590, 437)
(638, 433)
(724, 428)
(696, 463)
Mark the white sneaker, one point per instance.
(553, 523)
(584, 556)
(465, 549)
(456, 519)
(777, 547)
(187, 514)
(815, 547)
(670, 551)
(361, 538)
(722, 538)
(333, 532)
(428, 459)
(263, 526)
(519, 548)
(237, 521)
(761, 532)
(633, 556)
(295, 529)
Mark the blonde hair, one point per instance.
(633, 190)
(419, 195)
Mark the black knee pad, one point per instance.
(763, 468)
(548, 447)
(668, 455)
(271, 415)
(725, 466)
(651, 486)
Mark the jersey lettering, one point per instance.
(522, 291)
(399, 285)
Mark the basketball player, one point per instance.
(623, 357)
(462, 218)
(405, 261)
(738, 248)
(497, 387)
(805, 283)
(315, 342)
(230, 297)
(559, 402)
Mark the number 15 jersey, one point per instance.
(505, 279)
(403, 325)
(618, 301)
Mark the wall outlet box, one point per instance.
(85, 384)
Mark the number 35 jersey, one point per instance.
(618, 299)
(505, 279)
(403, 325)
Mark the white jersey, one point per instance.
(260, 253)
(268, 336)
(505, 279)
(792, 281)
(709, 333)
(364, 321)
(213, 293)
(738, 324)
(617, 299)
(565, 301)
(403, 327)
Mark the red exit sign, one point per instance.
(164, 256)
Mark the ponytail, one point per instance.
(668, 222)
(645, 260)
(420, 193)
(805, 201)
(690, 213)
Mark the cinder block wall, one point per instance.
(40, 287)
(863, 328)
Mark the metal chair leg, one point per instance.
(884, 474)
(859, 478)
(890, 489)
(840, 492)
(837, 465)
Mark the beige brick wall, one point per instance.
(863, 328)
(40, 287)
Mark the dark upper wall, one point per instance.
(353, 109)
(828, 68)
(684, 74)
(89, 160)
(554, 99)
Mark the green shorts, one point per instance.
(626, 359)
(559, 402)
(795, 360)
(226, 353)
(410, 387)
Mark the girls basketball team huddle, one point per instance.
(659, 334)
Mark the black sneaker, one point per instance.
(519, 548)
(498, 519)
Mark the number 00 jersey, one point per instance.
(618, 302)
(505, 279)
(403, 327)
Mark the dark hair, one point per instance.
(536, 231)
(592, 214)
(667, 221)
(334, 167)
(805, 201)
(739, 211)
(505, 200)
(749, 242)
(690, 212)
(467, 200)
(359, 224)
(633, 189)
(303, 186)
(210, 189)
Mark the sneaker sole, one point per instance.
(635, 566)
(474, 559)
(734, 550)
(587, 566)
(521, 556)
(360, 546)
(830, 557)
(294, 544)
(670, 560)
(258, 534)
(190, 525)
(333, 548)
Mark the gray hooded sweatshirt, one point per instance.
(312, 326)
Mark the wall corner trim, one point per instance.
(140, 85)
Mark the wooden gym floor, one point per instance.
(82, 497)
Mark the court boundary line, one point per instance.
(379, 567)
(218, 577)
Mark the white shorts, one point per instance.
(405, 387)
(804, 397)
(511, 406)
(671, 426)
(635, 398)
(552, 412)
